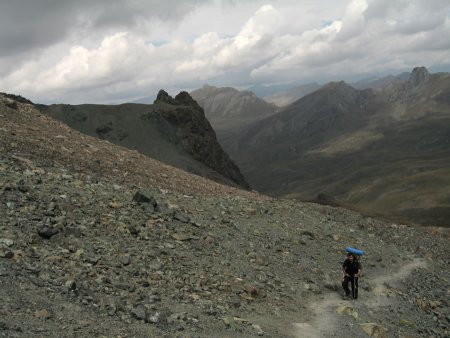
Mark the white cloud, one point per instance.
(367, 39)
(106, 53)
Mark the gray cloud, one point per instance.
(31, 24)
(104, 50)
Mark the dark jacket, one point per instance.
(351, 268)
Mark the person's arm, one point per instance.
(358, 274)
(344, 270)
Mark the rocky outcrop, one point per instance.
(419, 76)
(172, 130)
(16, 98)
(196, 135)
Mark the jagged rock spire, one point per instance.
(164, 97)
(183, 98)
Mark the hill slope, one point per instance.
(386, 153)
(99, 240)
(173, 130)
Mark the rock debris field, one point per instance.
(100, 241)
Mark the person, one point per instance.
(351, 269)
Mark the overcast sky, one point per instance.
(108, 51)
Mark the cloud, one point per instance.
(106, 51)
(46, 22)
(369, 37)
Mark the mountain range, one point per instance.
(385, 152)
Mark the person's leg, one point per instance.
(352, 282)
(345, 285)
(356, 288)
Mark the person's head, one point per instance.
(350, 256)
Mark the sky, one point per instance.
(113, 51)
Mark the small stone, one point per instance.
(23, 188)
(406, 322)
(115, 205)
(71, 285)
(374, 330)
(6, 254)
(347, 310)
(139, 312)
(42, 314)
(125, 260)
(145, 197)
(251, 290)
(180, 217)
(11, 103)
(6, 241)
(133, 229)
(159, 318)
(181, 237)
(47, 232)
(259, 332)
(91, 260)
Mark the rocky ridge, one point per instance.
(97, 240)
(172, 130)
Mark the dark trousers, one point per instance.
(354, 283)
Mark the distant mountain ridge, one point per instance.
(285, 98)
(172, 130)
(378, 83)
(386, 152)
(227, 107)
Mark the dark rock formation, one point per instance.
(419, 76)
(164, 97)
(17, 98)
(196, 135)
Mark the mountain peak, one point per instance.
(340, 89)
(418, 76)
(164, 97)
(338, 85)
(183, 98)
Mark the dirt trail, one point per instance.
(326, 322)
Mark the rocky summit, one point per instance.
(97, 240)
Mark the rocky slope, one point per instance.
(98, 240)
(385, 152)
(173, 130)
